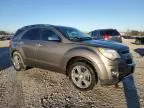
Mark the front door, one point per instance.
(49, 52)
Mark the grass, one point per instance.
(4, 43)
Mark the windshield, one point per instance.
(73, 34)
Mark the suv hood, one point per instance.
(107, 44)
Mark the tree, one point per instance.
(134, 32)
(4, 33)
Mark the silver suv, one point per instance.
(70, 51)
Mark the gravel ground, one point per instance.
(38, 88)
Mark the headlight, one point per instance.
(109, 53)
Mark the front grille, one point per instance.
(127, 57)
(125, 72)
(124, 52)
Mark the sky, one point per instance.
(85, 15)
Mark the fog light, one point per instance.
(115, 74)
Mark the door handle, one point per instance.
(38, 45)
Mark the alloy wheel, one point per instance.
(81, 76)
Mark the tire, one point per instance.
(17, 61)
(82, 76)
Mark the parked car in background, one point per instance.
(138, 39)
(106, 34)
(72, 52)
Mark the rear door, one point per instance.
(28, 44)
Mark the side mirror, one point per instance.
(54, 38)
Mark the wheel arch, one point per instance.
(85, 54)
(16, 50)
(81, 59)
(13, 51)
(19, 50)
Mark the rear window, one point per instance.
(18, 32)
(110, 32)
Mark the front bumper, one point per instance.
(117, 72)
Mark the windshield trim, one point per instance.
(75, 39)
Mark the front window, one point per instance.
(48, 35)
(73, 34)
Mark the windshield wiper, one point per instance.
(87, 38)
(80, 38)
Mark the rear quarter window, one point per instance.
(16, 36)
(18, 32)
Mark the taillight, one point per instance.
(10, 43)
(106, 37)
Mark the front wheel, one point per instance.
(82, 75)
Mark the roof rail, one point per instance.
(35, 25)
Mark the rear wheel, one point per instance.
(82, 75)
(18, 62)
